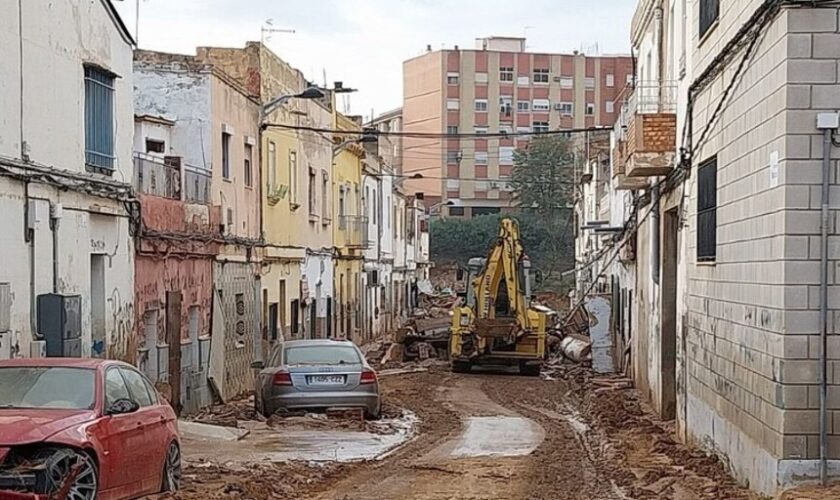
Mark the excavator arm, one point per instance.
(498, 286)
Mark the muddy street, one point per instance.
(490, 435)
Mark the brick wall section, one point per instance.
(658, 133)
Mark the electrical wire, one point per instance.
(438, 135)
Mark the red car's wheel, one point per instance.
(172, 469)
(68, 473)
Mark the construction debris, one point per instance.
(576, 347)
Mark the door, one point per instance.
(97, 305)
(122, 441)
(173, 339)
(282, 306)
(668, 336)
(152, 422)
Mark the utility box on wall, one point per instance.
(60, 324)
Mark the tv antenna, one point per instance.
(268, 29)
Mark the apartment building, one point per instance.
(713, 257)
(495, 88)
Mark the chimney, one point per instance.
(456, 48)
(429, 48)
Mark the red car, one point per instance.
(82, 429)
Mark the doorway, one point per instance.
(668, 337)
(97, 305)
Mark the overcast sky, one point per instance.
(363, 42)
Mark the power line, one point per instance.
(439, 135)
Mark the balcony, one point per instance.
(167, 177)
(355, 231)
(650, 137)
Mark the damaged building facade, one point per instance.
(65, 172)
(197, 128)
(708, 235)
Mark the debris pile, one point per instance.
(229, 414)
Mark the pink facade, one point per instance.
(171, 257)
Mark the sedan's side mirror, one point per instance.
(122, 406)
(258, 365)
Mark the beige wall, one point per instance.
(424, 106)
(235, 112)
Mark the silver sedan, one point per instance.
(316, 374)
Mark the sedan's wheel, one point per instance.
(70, 473)
(172, 469)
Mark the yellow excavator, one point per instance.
(498, 325)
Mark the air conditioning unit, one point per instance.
(494, 185)
(558, 107)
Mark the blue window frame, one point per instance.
(99, 120)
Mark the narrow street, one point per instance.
(496, 435)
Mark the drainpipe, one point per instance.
(55, 218)
(654, 206)
(29, 238)
(828, 123)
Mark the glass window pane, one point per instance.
(115, 387)
(47, 387)
(320, 355)
(137, 387)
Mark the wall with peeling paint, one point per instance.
(58, 39)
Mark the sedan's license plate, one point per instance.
(326, 379)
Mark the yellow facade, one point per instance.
(349, 229)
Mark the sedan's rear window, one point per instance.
(322, 355)
(47, 387)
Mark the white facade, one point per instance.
(84, 238)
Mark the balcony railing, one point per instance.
(649, 97)
(355, 229)
(167, 177)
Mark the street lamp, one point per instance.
(309, 93)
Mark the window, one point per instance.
(46, 387)
(709, 11)
(506, 155)
(99, 119)
(481, 78)
(452, 129)
(293, 179)
(506, 128)
(272, 167)
(452, 78)
(707, 210)
(476, 211)
(541, 105)
(152, 391)
(136, 387)
(115, 388)
(540, 127)
(480, 130)
(481, 157)
(565, 108)
(294, 327)
(589, 82)
(610, 107)
(248, 152)
(523, 106)
(481, 104)
(374, 207)
(590, 108)
(453, 156)
(523, 130)
(155, 146)
(456, 211)
(506, 74)
(453, 104)
(229, 222)
(567, 82)
(194, 321)
(313, 199)
(540, 75)
(225, 155)
(319, 355)
(610, 80)
(505, 104)
(325, 199)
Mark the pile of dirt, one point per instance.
(227, 414)
(812, 493)
(276, 481)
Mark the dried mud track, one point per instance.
(426, 469)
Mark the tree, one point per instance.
(543, 183)
(543, 174)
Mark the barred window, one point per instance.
(707, 210)
(99, 119)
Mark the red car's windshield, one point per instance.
(47, 387)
